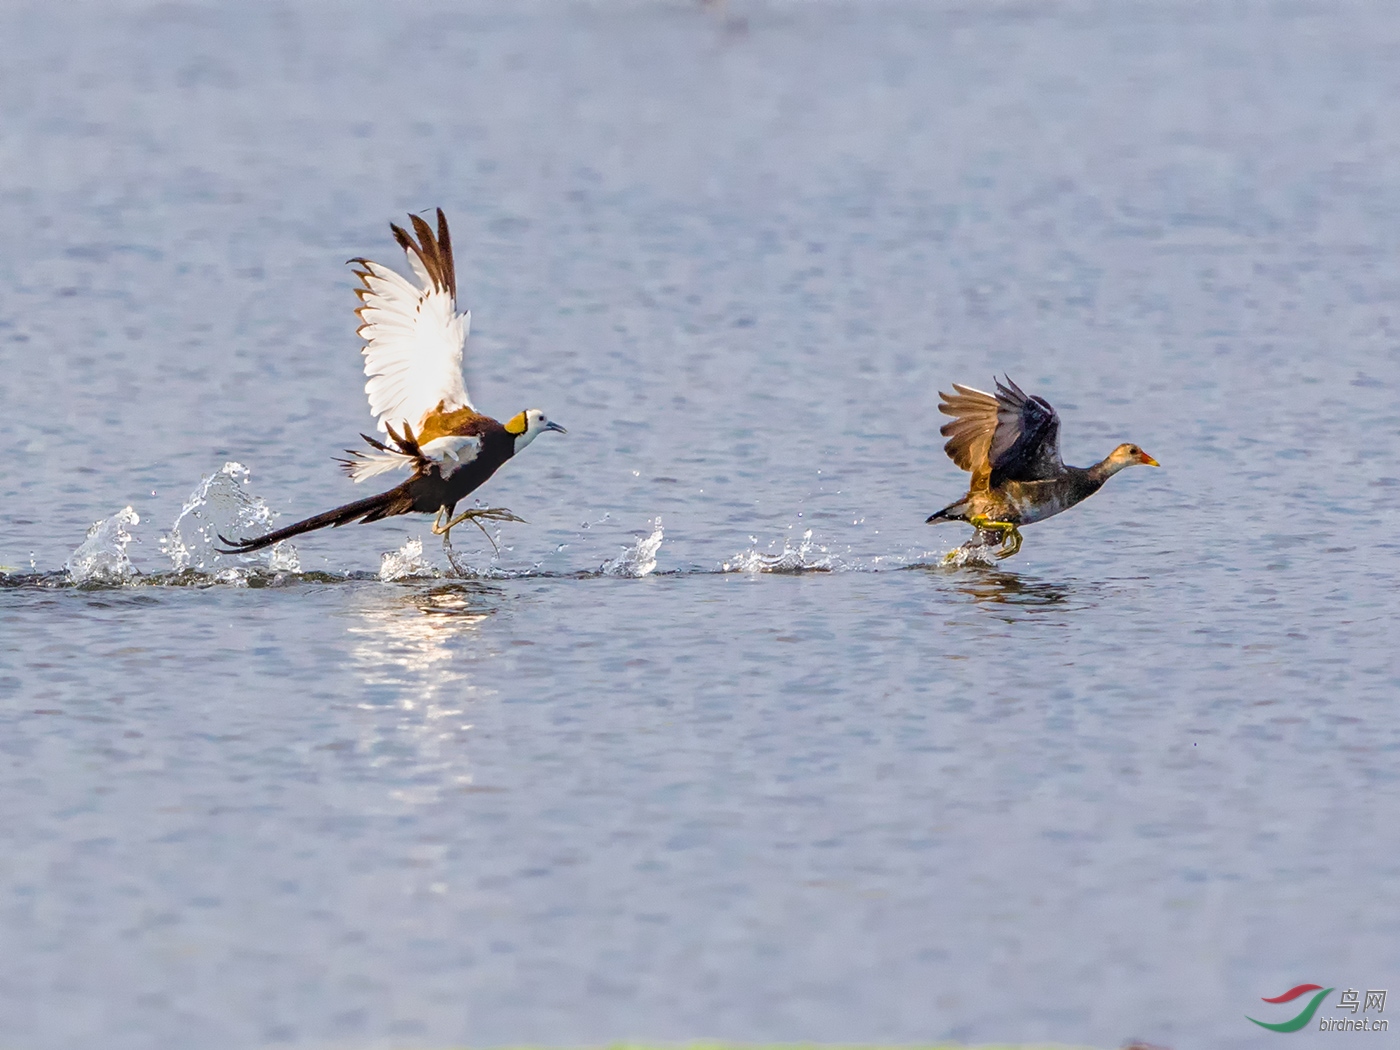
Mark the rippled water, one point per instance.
(1124, 784)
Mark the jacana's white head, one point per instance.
(528, 425)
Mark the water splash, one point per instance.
(101, 558)
(406, 563)
(639, 559)
(970, 553)
(805, 557)
(220, 505)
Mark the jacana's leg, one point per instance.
(489, 513)
(471, 516)
(475, 520)
(445, 531)
(466, 515)
(475, 515)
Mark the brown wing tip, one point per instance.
(433, 251)
(407, 442)
(449, 268)
(957, 403)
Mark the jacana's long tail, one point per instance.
(386, 504)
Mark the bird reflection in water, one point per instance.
(414, 651)
(984, 584)
(1007, 588)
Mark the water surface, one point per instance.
(1124, 784)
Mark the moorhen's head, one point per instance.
(1126, 455)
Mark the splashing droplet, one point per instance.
(639, 559)
(405, 563)
(219, 506)
(806, 556)
(969, 554)
(101, 558)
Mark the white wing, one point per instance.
(452, 451)
(413, 334)
(447, 453)
(365, 465)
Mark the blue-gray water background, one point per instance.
(1129, 783)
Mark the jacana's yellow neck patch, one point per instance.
(517, 424)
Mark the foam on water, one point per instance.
(805, 557)
(406, 563)
(102, 558)
(981, 554)
(221, 506)
(639, 559)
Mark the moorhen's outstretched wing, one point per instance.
(970, 433)
(1026, 445)
(1006, 436)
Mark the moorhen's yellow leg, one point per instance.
(981, 521)
(1013, 537)
(1010, 534)
(1006, 533)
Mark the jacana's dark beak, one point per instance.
(551, 425)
